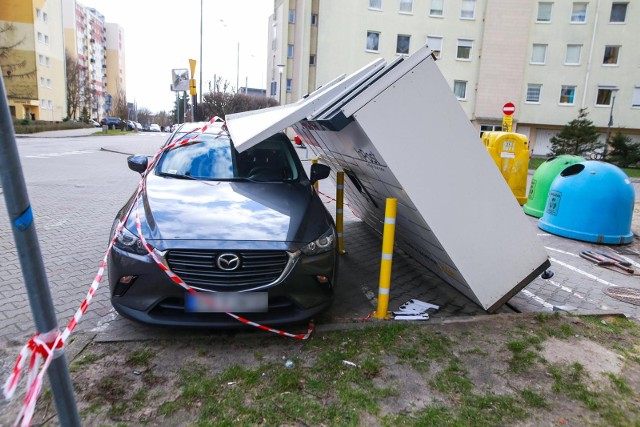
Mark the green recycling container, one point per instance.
(541, 182)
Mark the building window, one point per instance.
(47, 61)
(50, 104)
(574, 53)
(45, 17)
(544, 12)
(38, 13)
(402, 44)
(533, 93)
(567, 94)
(43, 103)
(579, 13)
(406, 6)
(460, 89)
(312, 60)
(314, 19)
(290, 51)
(41, 81)
(611, 55)
(375, 4)
(46, 39)
(373, 41)
(289, 84)
(437, 8)
(468, 10)
(618, 12)
(489, 128)
(40, 38)
(464, 49)
(435, 44)
(41, 59)
(274, 88)
(635, 100)
(604, 96)
(49, 83)
(292, 16)
(538, 54)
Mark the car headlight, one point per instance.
(129, 242)
(324, 243)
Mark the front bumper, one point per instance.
(154, 298)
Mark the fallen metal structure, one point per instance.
(398, 131)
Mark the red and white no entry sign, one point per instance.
(508, 108)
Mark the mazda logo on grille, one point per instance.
(228, 262)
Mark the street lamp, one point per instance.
(280, 70)
(606, 144)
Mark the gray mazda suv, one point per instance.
(247, 231)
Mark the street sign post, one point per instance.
(507, 119)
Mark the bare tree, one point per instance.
(119, 106)
(74, 74)
(220, 102)
(18, 71)
(145, 115)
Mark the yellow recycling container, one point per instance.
(510, 152)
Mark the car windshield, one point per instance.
(213, 157)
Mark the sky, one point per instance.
(161, 36)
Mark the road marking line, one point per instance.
(50, 155)
(537, 298)
(543, 234)
(561, 251)
(584, 273)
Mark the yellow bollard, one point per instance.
(313, 162)
(388, 236)
(340, 211)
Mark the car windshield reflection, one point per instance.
(214, 158)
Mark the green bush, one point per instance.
(26, 126)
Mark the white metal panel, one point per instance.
(248, 129)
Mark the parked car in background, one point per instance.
(138, 126)
(94, 123)
(131, 125)
(111, 122)
(246, 230)
(154, 127)
(145, 127)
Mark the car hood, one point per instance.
(180, 209)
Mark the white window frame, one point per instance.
(462, 10)
(566, 54)
(49, 83)
(42, 81)
(47, 61)
(533, 50)
(604, 56)
(435, 39)
(45, 17)
(626, 8)
(439, 3)
(43, 104)
(404, 2)
(562, 88)
(40, 37)
(465, 89)
(611, 90)
(372, 4)
(530, 86)
(50, 104)
(464, 44)
(546, 3)
(290, 50)
(573, 13)
(41, 59)
(366, 46)
(46, 40)
(292, 16)
(398, 41)
(289, 85)
(635, 99)
(38, 13)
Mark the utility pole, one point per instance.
(192, 91)
(35, 277)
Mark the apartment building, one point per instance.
(98, 47)
(550, 58)
(33, 68)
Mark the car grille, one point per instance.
(198, 268)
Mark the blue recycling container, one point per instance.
(590, 201)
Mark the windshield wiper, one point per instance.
(179, 176)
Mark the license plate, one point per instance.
(223, 302)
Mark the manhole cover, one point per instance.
(630, 295)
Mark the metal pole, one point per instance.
(35, 278)
(280, 89)
(388, 237)
(238, 71)
(177, 107)
(606, 143)
(184, 106)
(340, 211)
(200, 51)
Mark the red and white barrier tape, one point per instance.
(42, 346)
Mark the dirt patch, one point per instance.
(500, 370)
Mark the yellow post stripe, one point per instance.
(388, 237)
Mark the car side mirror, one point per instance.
(318, 172)
(138, 163)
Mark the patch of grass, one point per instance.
(110, 389)
(620, 384)
(533, 399)
(452, 379)
(141, 357)
(569, 381)
(112, 132)
(475, 350)
(83, 361)
(169, 408)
